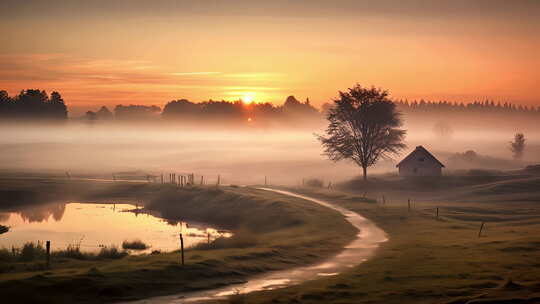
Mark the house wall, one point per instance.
(418, 167)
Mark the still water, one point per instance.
(92, 226)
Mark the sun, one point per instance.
(247, 99)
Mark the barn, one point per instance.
(420, 163)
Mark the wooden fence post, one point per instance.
(409, 204)
(218, 179)
(265, 181)
(480, 231)
(202, 180)
(162, 177)
(437, 212)
(383, 200)
(48, 247)
(182, 248)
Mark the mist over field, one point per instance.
(241, 154)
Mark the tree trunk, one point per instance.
(364, 169)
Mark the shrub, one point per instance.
(135, 245)
(31, 251)
(5, 255)
(111, 253)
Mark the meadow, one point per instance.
(271, 232)
(436, 259)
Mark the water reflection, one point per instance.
(93, 226)
(38, 213)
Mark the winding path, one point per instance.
(356, 252)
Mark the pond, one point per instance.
(93, 226)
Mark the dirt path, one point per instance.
(356, 252)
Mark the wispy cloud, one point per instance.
(95, 81)
(195, 73)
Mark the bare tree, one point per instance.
(443, 130)
(363, 127)
(518, 146)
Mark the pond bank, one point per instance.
(356, 252)
(273, 232)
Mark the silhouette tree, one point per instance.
(443, 130)
(104, 114)
(363, 127)
(181, 108)
(518, 146)
(33, 104)
(91, 115)
(57, 108)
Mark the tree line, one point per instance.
(37, 104)
(32, 104)
(184, 110)
(488, 106)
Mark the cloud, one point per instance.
(95, 81)
(194, 73)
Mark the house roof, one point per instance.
(421, 150)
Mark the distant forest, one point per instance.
(37, 104)
(477, 106)
(32, 104)
(445, 116)
(292, 111)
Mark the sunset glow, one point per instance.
(247, 99)
(136, 53)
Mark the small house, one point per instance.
(420, 163)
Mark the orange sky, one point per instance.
(149, 52)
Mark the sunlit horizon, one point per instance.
(130, 52)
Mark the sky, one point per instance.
(150, 52)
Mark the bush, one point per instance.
(111, 253)
(135, 245)
(31, 251)
(5, 255)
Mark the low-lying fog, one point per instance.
(242, 156)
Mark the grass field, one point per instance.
(438, 260)
(426, 260)
(272, 232)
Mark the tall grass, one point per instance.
(35, 251)
(72, 252)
